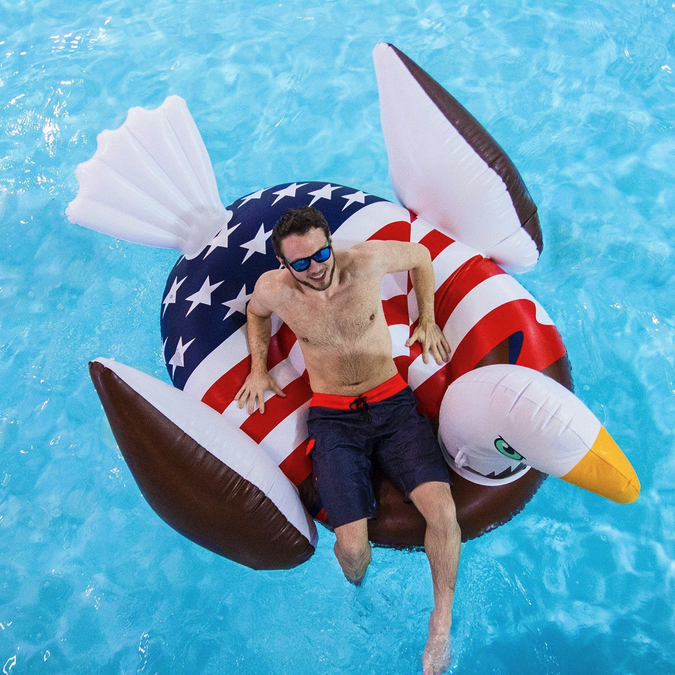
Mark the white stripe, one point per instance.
(235, 415)
(283, 374)
(367, 221)
(287, 435)
(450, 259)
(413, 309)
(399, 336)
(419, 229)
(296, 358)
(223, 358)
(481, 300)
(420, 372)
(393, 285)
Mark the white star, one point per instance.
(258, 244)
(203, 295)
(359, 197)
(177, 360)
(170, 298)
(324, 193)
(255, 195)
(220, 240)
(238, 304)
(164, 346)
(287, 192)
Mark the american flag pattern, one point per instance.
(477, 305)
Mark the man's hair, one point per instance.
(298, 221)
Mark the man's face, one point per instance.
(318, 276)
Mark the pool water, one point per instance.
(581, 96)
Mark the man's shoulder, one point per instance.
(269, 292)
(386, 256)
(271, 282)
(273, 287)
(368, 255)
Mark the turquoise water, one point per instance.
(581, 97)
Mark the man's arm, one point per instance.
(259, 324)
(398, 256)
(427, 332)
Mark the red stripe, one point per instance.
(222, 392)
(297, 466)
(403, 365)
(396, 310)
(277, 409)
(542, 346)
(436, 242)
(430, 393)
(280, 347)
(460, 283)
(399, 230)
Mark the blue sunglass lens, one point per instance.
(322, 255)
(303, 264)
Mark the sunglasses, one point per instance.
(302, 264)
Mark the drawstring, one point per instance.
(361, 405)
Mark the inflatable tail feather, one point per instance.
(151, 182)
(204, 477)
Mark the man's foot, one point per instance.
(356, 575)
(436, 658)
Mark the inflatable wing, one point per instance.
(445, 167)
(205, 478)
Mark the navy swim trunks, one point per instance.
(381, 428)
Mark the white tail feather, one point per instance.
(151, 182)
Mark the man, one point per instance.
(362, 411)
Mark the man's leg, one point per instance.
(352, 549)
(442, 542)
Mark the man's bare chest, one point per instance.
(340, 322)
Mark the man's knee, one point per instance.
(352, 549)
(352, 554)
(434, 501)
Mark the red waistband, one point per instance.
(380, 393)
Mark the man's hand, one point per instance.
(431, 337)
(253, 390)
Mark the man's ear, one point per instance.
(281, 260)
